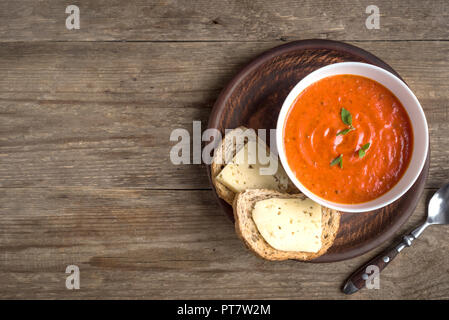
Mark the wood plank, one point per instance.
(225, 20)
(176, 244)
(100, 115)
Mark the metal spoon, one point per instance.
(437, 213)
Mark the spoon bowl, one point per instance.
(438, 211)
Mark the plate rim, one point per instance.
(219, 107)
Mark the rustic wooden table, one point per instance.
(85, 120)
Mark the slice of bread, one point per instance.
(247, 230)
(227, 150)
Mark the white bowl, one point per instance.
(411, 105)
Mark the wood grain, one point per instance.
(74, 114)
(85, 119)
(223, 20)
(143, 244)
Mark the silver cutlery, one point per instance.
(437, 213)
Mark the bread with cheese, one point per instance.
(230, 177)
(301, 218)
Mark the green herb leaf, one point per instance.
(338, 160)
(346, 117)
(366, 146)
(361, 153)
(362, 150)
(345, 131)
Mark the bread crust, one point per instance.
(224, 152)
(246, 229)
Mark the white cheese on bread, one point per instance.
(289, 224)
(244, 171)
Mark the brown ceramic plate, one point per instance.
(254, 98)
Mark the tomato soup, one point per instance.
(348, 139)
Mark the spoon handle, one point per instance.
(365, 274)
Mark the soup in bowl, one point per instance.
(352, 137)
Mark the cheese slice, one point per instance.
(289, 224)
(244, 171)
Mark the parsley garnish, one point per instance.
(338, 160)
(347, 119)
(363, 149)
